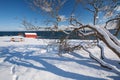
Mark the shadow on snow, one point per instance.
(21, 58)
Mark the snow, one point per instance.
(34, 59)
(30, 33)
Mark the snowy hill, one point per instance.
(33, 59)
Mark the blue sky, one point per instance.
(13, 11)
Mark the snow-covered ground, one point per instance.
(34, 59)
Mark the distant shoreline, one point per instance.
(48, 34)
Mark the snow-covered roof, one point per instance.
(30, 33)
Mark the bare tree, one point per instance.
(52, 7)
(103, 35)
(107, 7)
(96, 5)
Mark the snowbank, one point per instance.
(33, 59)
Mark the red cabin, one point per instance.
(31, 35)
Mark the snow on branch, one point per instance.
(118, 18)
(99, 44)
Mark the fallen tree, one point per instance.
(101, 34)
